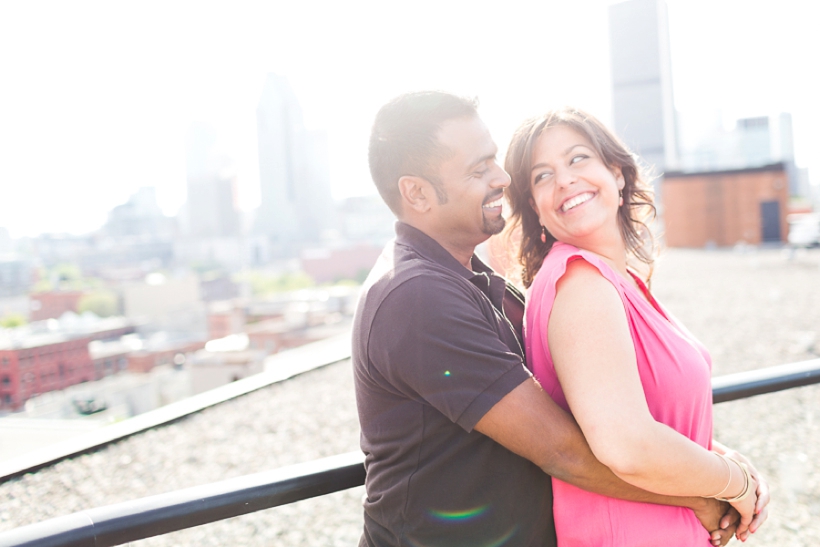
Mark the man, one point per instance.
(459, 439)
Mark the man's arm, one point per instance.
(526, 421)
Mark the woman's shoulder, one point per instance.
(564, 260)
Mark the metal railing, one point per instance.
(157, 515)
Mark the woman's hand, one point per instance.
(746, 507)
(761, 509)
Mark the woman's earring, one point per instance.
(543, 234)
(621, 196)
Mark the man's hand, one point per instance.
(719, 518)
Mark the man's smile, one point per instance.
(497, 202)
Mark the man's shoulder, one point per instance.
(401, 270)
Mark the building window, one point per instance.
(5, 361)
(5, 380)
(7, 399)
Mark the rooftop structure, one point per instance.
(729, 207)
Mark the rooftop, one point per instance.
(752, 309)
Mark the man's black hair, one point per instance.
(404, 140)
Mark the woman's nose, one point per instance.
(564, 177)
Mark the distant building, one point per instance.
(7, 245)
(52, 249)
(366, 219)
(273, 336)
(804, 187)
(753, 142)
(218, 287)
(42, 364)
(642, 105)
(721, 208)
(51, 355)
(295, 201)
(167, 304)
(335, 264)
(136, 234)
(158, 355)
(223, 361)
(225, 318)
(108, 357)
(53, 304)
(139, 217)
(16, 276)
(212, 202)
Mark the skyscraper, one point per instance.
(296, 206)
(212, 209)
(643, 110)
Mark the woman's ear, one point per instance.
(619, 177)
(415, 193)
(532, 204)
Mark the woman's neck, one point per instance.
(611, 250)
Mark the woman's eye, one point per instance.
(578, 158)
(540, 177)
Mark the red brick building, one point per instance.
(145, 360)
(53, 304)
(44, 361)
(725, 208)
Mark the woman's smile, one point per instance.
(576, 201)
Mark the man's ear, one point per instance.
(416, 193)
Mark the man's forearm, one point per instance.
(573, 462)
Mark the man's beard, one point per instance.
(494, 226)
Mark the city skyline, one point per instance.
(97, 98)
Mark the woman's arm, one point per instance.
(594, 357)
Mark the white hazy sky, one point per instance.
(96, 97)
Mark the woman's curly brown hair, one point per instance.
(637, 210)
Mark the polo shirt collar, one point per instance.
(482, 276)
(429, 248)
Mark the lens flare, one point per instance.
(459, 515)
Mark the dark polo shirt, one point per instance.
(432, 352)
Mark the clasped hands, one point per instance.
(741, 520)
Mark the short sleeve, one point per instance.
(438, 341)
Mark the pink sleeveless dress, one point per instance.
(675, 371)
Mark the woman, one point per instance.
(635, 380)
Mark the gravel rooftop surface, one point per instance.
(752, 309)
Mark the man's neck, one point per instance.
(463, 254)
(461, 251)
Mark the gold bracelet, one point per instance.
(728, 468)
(747, 487)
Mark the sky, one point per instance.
(96, 97)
